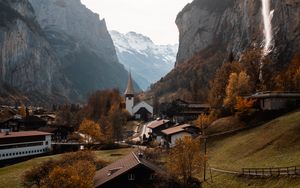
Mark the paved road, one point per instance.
(144, 130)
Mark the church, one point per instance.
(141, 110)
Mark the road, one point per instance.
(144, 130)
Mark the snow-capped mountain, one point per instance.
(147, 61)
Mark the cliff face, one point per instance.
(237, 25)
(55, 51)
(213, 32)
(82, 43)
(26, 60)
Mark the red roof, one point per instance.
(177, 129)
(157, 123)
(23, 134)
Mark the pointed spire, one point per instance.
(129, 90)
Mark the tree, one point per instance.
(78, 174)
(22, 110)
(203, 120)
(117, 119)
(36, 175)
(91, 131)
(296, 80)
(238, 85)
(244, 105)
(185, 160)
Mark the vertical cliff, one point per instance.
(82, 43)
(236, 26)
(213, 31)
(26, 59)
(55, 51)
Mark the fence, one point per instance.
(268, 172)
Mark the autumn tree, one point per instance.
(22, 110)
(185, 160)
(204, 120)
(90, 130)
(79, 174)
(117, 119)
(238, 85)
(243, 105)
(218, 84)
(75, 169)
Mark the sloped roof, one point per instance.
(129, 90)
(23, 134)
(120, 167)
(177, 129)
(156, 123)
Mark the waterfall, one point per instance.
(268, 41)
(267, 18)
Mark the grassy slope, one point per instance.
(11, 176)
(274, 144)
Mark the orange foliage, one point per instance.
(243, 105)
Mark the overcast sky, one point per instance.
(153, 18)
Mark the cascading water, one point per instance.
(268, 33)
(267, 18)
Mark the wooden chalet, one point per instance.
(130, 171)
(171, 135)
(272, 100)
(190, 111)
(157, 126)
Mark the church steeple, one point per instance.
(129, 96)
(129, 90)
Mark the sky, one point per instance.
(153, 18)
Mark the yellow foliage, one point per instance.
(238, 84)
(80, 174)
(185, 159)
(91, 131)
(22, 110)
(242, 104)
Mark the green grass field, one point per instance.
(275, 144)
(11, 176)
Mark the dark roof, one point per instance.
(129, 90)
(120, 167)
(23, 134)
(275, 94)
(156, 123)
(177, 129)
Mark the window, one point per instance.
(46, 142)
(131, 177)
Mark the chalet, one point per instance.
(130, 171)
(13, 123)
(190, 111)
(272, 100)
(157, 126)
(59, 133)
(171, 135)
(23, 144)
(142, 110)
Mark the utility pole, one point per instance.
(205, 151)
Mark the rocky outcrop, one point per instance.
(237, 25)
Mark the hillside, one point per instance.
(275, 144)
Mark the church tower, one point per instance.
(129, 95)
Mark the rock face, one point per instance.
(147, 61)
(56, 50)
(26, 59)
(82, 43)
(237, 25)
(213, 31)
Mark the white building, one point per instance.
(23, 144)
(141, 110)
